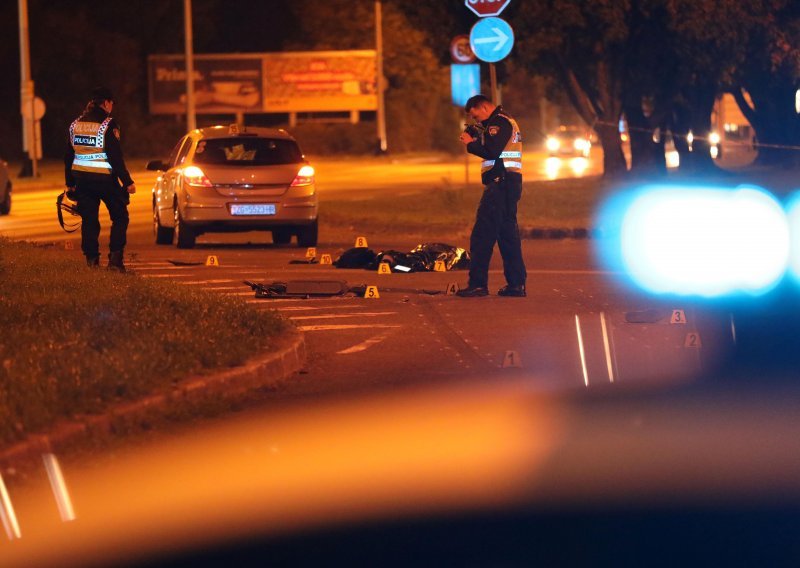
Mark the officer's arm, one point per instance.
(69, 156)
(495, 138)
(114, 153)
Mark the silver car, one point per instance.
(5, 189)
(233, 179)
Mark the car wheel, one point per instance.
(164, 235)
(307, 235)
(184, 234)
(281, 236)
(5, 206)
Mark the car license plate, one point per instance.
(253, 209)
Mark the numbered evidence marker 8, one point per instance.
(439, 266)
(311, 252)
(678, 316)
(325, 259)
(361, 242)
(371, 293)
(384, 268)
(212, 261)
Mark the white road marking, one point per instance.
(339, 316)
(363, 346)
(345, 326)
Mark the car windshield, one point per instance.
(241, 151)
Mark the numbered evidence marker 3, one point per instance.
(325, 259)
(439, 266)
(371, 293)
(212, 261)
(361, 242)
(678, 316)
(311, 252)
(384, 268)
(512, 359)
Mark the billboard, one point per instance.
(305, 81)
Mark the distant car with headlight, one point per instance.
(235, 179)
(571, 140)
(5, 189)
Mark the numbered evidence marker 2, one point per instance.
(678, 316)
(512, 360)
(361, 242)
(439, 266)
(384, 268)
(371, 293)
(693, 340)
(325, 259)
(212, 261)
(311, 252)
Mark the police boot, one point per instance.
(115, 261)
(93, 261)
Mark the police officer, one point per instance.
(94, 168)
(500, 145)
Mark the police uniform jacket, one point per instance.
(94, 152)
(500, 146)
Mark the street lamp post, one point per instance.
(381, 115)
(26, 92)
(191, 120)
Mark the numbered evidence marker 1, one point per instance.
(325, 259)
(384, 268)
(361, 242)
(512, 360)
(439, 266)
(311, 252)
(371, 293)
(212, 261)
(678, 316)
(693, 340)
(452, 288)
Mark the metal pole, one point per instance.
(379, 54)
(26, 90)
(493, 78)
(191, 119)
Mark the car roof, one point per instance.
(228, 131)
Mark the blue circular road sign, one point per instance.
(491, 39)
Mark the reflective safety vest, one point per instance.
(512, 153)
(88, 140)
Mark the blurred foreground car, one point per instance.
(235, 179)
(570, 140)
(5, 189)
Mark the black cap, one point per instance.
(100, 94)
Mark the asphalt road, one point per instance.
(571, 332)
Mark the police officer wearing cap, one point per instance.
(94, 169)
(499, 142)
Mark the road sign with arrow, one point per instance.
(491, 39)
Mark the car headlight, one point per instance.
(552, 144)
(581, 144)
(713, 138)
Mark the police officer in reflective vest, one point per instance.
(499, 142)
(94, 169)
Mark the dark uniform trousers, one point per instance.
(89, 194)
(496, 221)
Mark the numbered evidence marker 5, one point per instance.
(361, 242)
(384, 268)
(512, 359)
(212, 261)
(325, 259)
(678, 316)
(439, 266)
(371, 293)
(311, 252)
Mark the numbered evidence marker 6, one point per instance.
(325, 259)
(678, 316)
(361, 242)
(311, 252)
(384, 268)
(212, 261)
(371, 293)
(439, 266)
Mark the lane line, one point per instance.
(345, 326)
(340, 316)
(363, 346)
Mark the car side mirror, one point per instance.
(156, 166)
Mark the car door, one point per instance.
(170, 180)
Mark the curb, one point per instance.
(264, 370)
(556, 233)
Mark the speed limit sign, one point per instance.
(460, 50)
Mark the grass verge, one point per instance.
(445, 209)
(74, 340)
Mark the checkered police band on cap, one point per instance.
(100, 94)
